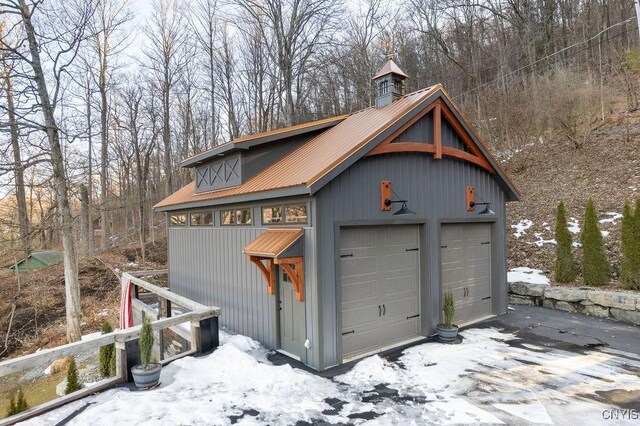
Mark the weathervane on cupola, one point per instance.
(389, 80)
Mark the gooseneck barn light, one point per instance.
(471, 202)
(487, 209)
(386, 195)
(404, 210)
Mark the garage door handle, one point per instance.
(346, 255)
(486, 298)
(413, 249)
(443, 246)
(348, 332)
(379, 310)
(384, 310)
(485, 242)
(413, 316)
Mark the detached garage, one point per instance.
(337, 238)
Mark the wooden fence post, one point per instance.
(209, 334)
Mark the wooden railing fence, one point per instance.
(202, 337)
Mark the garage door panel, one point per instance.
(400, 308)
(359, 317)
(351, 238)
(466, 269)
(401, 235)
(359, 291)
(358, 265)
(401, 261)
(401, 284)
(401, 331)
(383, 274)
(452, 255)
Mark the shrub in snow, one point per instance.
(73, 383)
(448, 309)
(566, 268)
(107, 354)
(17, 403)
(630, 241)
(146, 342)
(595, 268)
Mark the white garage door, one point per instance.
(466, 269)
(379, 269)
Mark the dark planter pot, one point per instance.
(146, 378)
(446, 334)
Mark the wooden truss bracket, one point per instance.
(293, 266)
(268, 271)
(435, 147)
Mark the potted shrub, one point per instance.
(447, 332)
(147, 374)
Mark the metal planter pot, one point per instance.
(146, 378)
(446, 334)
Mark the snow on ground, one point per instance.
(573, 225)
(526, 275)
(613, 216)
(521, 227)
(491, 377)
(541, 241)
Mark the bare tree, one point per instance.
(18, 167)
(295, 28)
(108, 20)
(66, 26)
(166, 56)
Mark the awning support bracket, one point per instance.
(268, 272)
(293, 266)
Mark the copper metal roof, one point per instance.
(315, 158)
(260, 138)
(273, 242)
(389, 67)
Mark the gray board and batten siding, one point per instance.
(435, 190)
(206, 264)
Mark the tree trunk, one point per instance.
(23, 219)
(166, 138)
(104, 158)
(72, 284)
(85, 218)
(89, 230)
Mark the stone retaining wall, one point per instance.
(619, 306)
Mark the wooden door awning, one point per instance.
(279, 246)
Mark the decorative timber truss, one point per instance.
(471, 153)
(279, 247)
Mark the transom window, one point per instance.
(272, 215)
(178, 219)
(202, 219)
(236, 217)
(289, 213)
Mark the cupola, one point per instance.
(389, 83)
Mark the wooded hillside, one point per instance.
(101, 99)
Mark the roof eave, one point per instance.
(238, 199)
